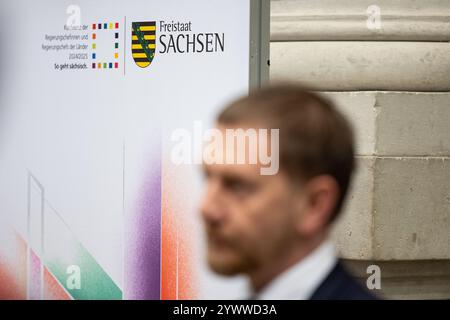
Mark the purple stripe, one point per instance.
(35, 277)
(143, 245)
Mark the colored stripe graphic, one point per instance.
(35, 274)
(143, 254)
(178, 274)
(67, 252)
(95, 282)
(53, 289)
(66, 261)
(13, 266)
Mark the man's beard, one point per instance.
(226, 256)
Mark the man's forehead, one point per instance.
(239, 149)
(241, 170)
(244, 125)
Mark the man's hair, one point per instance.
(315, 138)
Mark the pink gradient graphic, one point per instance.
(35, 280)
(13, 271)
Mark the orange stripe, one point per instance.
(13, 274)
(52, 288)
(169, 254)
(173, 213)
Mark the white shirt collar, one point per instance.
(301, 280)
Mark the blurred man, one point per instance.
(275, 228)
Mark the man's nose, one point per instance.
(212, 207)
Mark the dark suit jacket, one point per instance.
(340, 285)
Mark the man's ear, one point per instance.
(319, 199)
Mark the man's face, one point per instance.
(248, 217)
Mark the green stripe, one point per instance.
(96, 284)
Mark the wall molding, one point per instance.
(323, 20)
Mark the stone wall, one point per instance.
(393, 83)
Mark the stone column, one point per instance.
(390, 74)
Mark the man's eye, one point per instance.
(239, 188)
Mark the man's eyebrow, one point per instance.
(233, 178)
